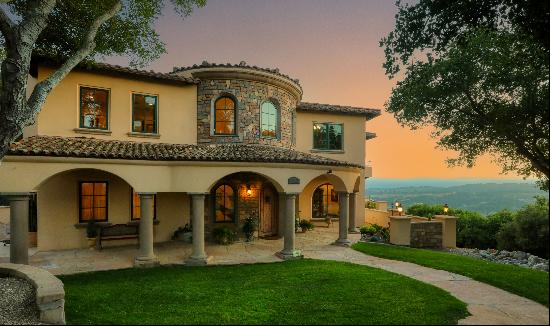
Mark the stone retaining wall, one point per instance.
(427, 234)
(50, 295)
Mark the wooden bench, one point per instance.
(117, 232)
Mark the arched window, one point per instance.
(224, 116)
(224, 204)
(325, 201)
(269, 120)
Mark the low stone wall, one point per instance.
(426, 234)
(50, 295)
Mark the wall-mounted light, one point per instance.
(248, 190)
(445, 209)
(400, 210)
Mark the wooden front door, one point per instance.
(268, 212)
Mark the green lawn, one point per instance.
(529, 283)
(294, 292)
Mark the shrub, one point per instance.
(306, 225)
(224, 235)
(372, 231)
(429, 211)
(368, 229)
(528, 231)
(371, 204)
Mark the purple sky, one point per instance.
(331, 46)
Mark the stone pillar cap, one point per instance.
(404, 217)
(445, 216)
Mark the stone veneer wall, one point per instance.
(427, 234)
(246, 205)
(249, 95)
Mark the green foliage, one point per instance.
(371, 204)
(430, 210)
(306, 225)
(250, 226)
(130, 34)
(528, 231)
(375, 231)
(479, 76)
(529, 283)
(256, 294)
(224, 235)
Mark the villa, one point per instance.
(207, 145)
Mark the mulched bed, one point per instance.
(17, 302)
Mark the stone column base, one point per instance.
(146, 262)
(193, 261)
(354, 231)
(342, 243)
(295, 255)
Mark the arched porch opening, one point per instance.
(238, 196)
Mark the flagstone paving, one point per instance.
(487, 304)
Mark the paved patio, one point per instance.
(487, 304)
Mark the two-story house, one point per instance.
(207, 145)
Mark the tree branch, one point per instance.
(43, 88)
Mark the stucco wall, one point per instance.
(353, 137)
(376, 216)
(176, 107)
(58, 210)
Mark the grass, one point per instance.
(528, 283)
(294, 292)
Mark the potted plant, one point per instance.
(184, 234)
(249, 227)
(306, 225)
(91, 233)
(224, 235)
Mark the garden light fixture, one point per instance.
(445, 209)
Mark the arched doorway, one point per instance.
(325, 202)
(240, 195)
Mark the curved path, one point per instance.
(486, 304)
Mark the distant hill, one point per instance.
(485, 198)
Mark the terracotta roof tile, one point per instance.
(340, 109)
(119, 70)
(129, 150)
(242, 64)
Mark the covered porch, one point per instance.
(258, 251)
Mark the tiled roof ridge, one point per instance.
(242, 64)
(347, 109)
(89, 147)
(91, 64)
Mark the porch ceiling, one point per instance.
(84, 147)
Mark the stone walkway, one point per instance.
(487, 304)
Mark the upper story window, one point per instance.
(224, 204)
(224, 116)
(94, 108)
(328, 136)
(93, 201)
(269, 120)
(144, 113)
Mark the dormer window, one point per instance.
(269, 120)
(224, 116)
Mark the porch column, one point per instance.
(352, 226)
(289, 252)
(198, 255)
(343, 223)
(282, 214)
(146, 256)
(19, 228)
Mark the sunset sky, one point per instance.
(332, 47)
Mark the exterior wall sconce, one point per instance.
(248, 190)
(445, 209)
